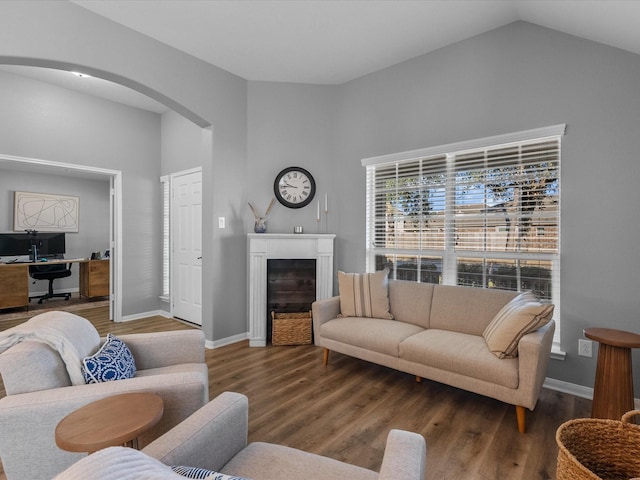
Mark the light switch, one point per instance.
(221, 223)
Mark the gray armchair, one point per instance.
(42, 388)
(215, 438)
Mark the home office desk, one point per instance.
(14, 280)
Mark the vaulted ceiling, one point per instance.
(333, 41)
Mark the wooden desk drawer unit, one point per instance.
(94, 278)
(14, 286)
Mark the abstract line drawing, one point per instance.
(45, 212)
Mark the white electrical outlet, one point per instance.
(221, 223)
(584, 348)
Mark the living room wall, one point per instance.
(47, 122)
(514, 78)
(66, 36)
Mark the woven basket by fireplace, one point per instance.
(599, 449)
(291, 328)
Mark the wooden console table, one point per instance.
(613, 389)
(109, 422)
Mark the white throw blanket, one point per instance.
(55, 330)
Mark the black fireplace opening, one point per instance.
(291, 287)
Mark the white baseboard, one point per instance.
(138, 316)
(573, 389)
(225, 341)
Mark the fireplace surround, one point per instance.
(266, 246)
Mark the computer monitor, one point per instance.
(14, 244)
(47, 243)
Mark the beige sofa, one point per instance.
(215, 438)
(438, 332)
(40, 391)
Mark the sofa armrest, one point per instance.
(209, 438)
(161, 349)
(534, 352)
(405, 456)
(324, 310)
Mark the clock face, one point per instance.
(294, 187)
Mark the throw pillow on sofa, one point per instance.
(364, 294)
(202, 474)
(113, 361)
(522, 315)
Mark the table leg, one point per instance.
(613, 390)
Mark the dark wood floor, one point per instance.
(345, 410)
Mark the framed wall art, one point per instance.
(45, 212)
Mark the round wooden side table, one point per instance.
(111, 421)
(613, 389)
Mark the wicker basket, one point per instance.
(291, 328)
(597, 449)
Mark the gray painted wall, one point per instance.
(518, 77)
(50, 123)
(181, 142)
(46, 34)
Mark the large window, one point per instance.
(484, 213)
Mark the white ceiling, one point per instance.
(334, 41)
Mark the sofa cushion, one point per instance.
(382, 336)
(410, 302)
(459, 353)
(524, 314)
(364, 294)
(466, 309)
(264, 461)
(113, 361)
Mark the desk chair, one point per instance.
(50, 272)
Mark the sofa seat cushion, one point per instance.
(375, 334)
(460, 353)
(180, 369)
(265, 461)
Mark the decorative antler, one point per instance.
(269, 207)
(255, 213)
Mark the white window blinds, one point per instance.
(481, 213)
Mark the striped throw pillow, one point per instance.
(202, 474)
(522, 315)
(364, 294)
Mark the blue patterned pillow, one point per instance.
(202, 474)
(113, 361)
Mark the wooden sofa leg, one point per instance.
(418, 379)
(520, 414)
(325, 357)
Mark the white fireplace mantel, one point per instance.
(265, 246)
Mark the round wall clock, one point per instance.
(294, 187)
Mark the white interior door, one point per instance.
(186, 225)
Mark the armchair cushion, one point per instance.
(113, 361)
